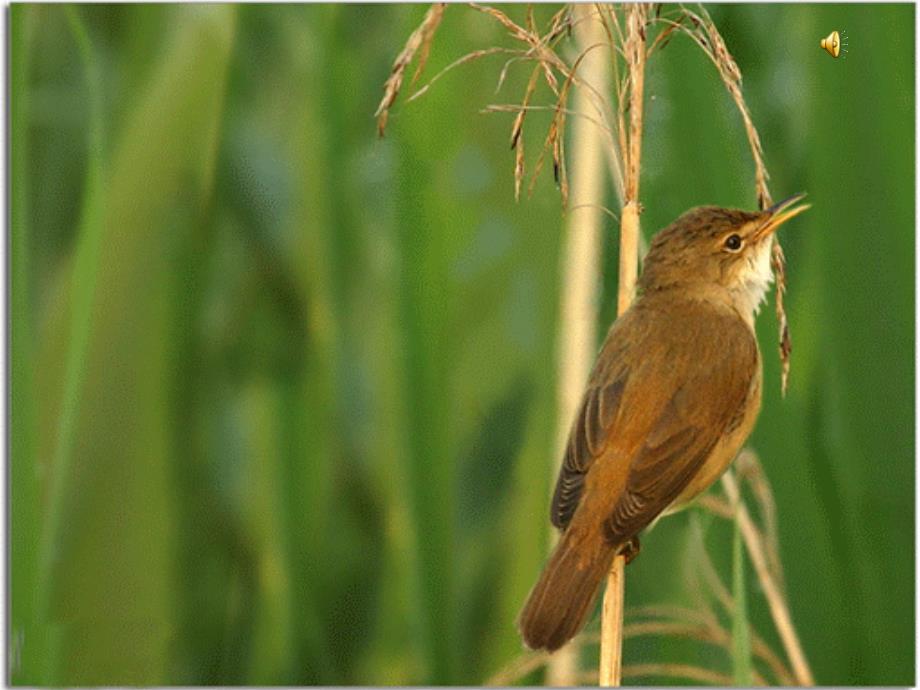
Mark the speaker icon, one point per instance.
(834, 43)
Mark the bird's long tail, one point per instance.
(562, 599)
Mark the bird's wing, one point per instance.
(718, 364)
(590, 431)
(707, 349)
(587, 440)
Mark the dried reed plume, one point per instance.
(420, 38)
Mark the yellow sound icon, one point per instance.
(833, 43)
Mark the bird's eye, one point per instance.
(733, 243)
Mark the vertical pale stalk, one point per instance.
(581, 261)
(611, 662)
(629, 253)
(634, 48)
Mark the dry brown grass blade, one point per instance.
(427, 38)
(516, 31)
(709, 573)
(615, 154)
(668, 621)
(518, 124)
(548, 61)
(548, 144)
(758, 646)
(556, 132)
(515, 107)
(673, 611)
(522, 56)
(709, 634)
(558, 24)
(693, 631)
(703, 625)
(778, 261)
(722, 509)
(685, 671)
(469, 57)
(555, 138)
(716, 506)
(419, 39)
(531, 24)
(541, 159)
(518, 668)
(608, 18)
(749, 470)
(562, 177)
(547, 58)
(761, 649)
(519, 169)
(664, 37)
(635, 57)
(603, 209)
(517, 129)
(779, 608)
(542, 51)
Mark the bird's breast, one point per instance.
(727, 448)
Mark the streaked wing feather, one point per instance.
(587, 440)
(660, 475)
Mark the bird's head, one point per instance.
(711, 247)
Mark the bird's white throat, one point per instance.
(755, 279)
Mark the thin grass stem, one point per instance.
(634, 47)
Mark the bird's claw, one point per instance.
(630, 550)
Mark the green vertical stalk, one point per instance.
(271, 647)
(25, 635)
(82, 291)
(741, 629)
(310, 404)
(424, 312)
(108, 553)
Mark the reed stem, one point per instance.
(611, 664)
(635, 51)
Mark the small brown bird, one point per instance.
(673, 395)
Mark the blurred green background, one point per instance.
(283, 403)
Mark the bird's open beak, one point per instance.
(779, 213)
